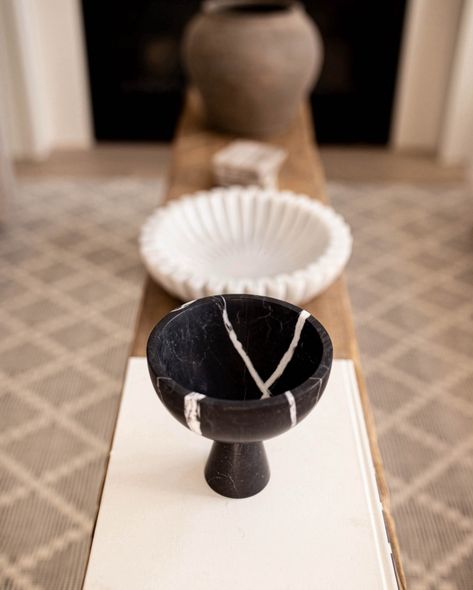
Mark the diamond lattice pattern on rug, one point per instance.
(70, 285)
(411, 284)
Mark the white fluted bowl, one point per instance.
(245, 240)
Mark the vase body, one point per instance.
(253, 63)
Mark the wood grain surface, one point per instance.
(302, 172)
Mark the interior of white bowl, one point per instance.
(226, 241)
(241, 239)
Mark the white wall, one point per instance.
(427, 54)
(45, 97)
(456, 144)
(61, 37)
(22, 88)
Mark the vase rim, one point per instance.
(236, 8)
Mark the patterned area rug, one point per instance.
(70, 283)
(411, 285)
(70, 286)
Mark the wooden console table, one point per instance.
(302, 172)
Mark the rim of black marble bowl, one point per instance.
(298, 391)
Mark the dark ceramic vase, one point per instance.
(253, 61)
(239, 369)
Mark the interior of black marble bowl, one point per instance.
(195, 349)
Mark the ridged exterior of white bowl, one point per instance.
(245, 240)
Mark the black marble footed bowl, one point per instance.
(239, 369)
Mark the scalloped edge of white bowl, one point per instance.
(298, 286)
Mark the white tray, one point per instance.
(317, 525)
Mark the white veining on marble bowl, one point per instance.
(242, 352)
(192, 410)
(287, 357)
(292, 407)
(245, 240)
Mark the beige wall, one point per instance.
(45, 98)
(427, 55)
(456, 144)
(62, 44)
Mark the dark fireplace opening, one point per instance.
(138, 83)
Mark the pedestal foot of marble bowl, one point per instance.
(239, 369)
(237, 470)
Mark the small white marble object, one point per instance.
(245, 240)
(245, 162)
